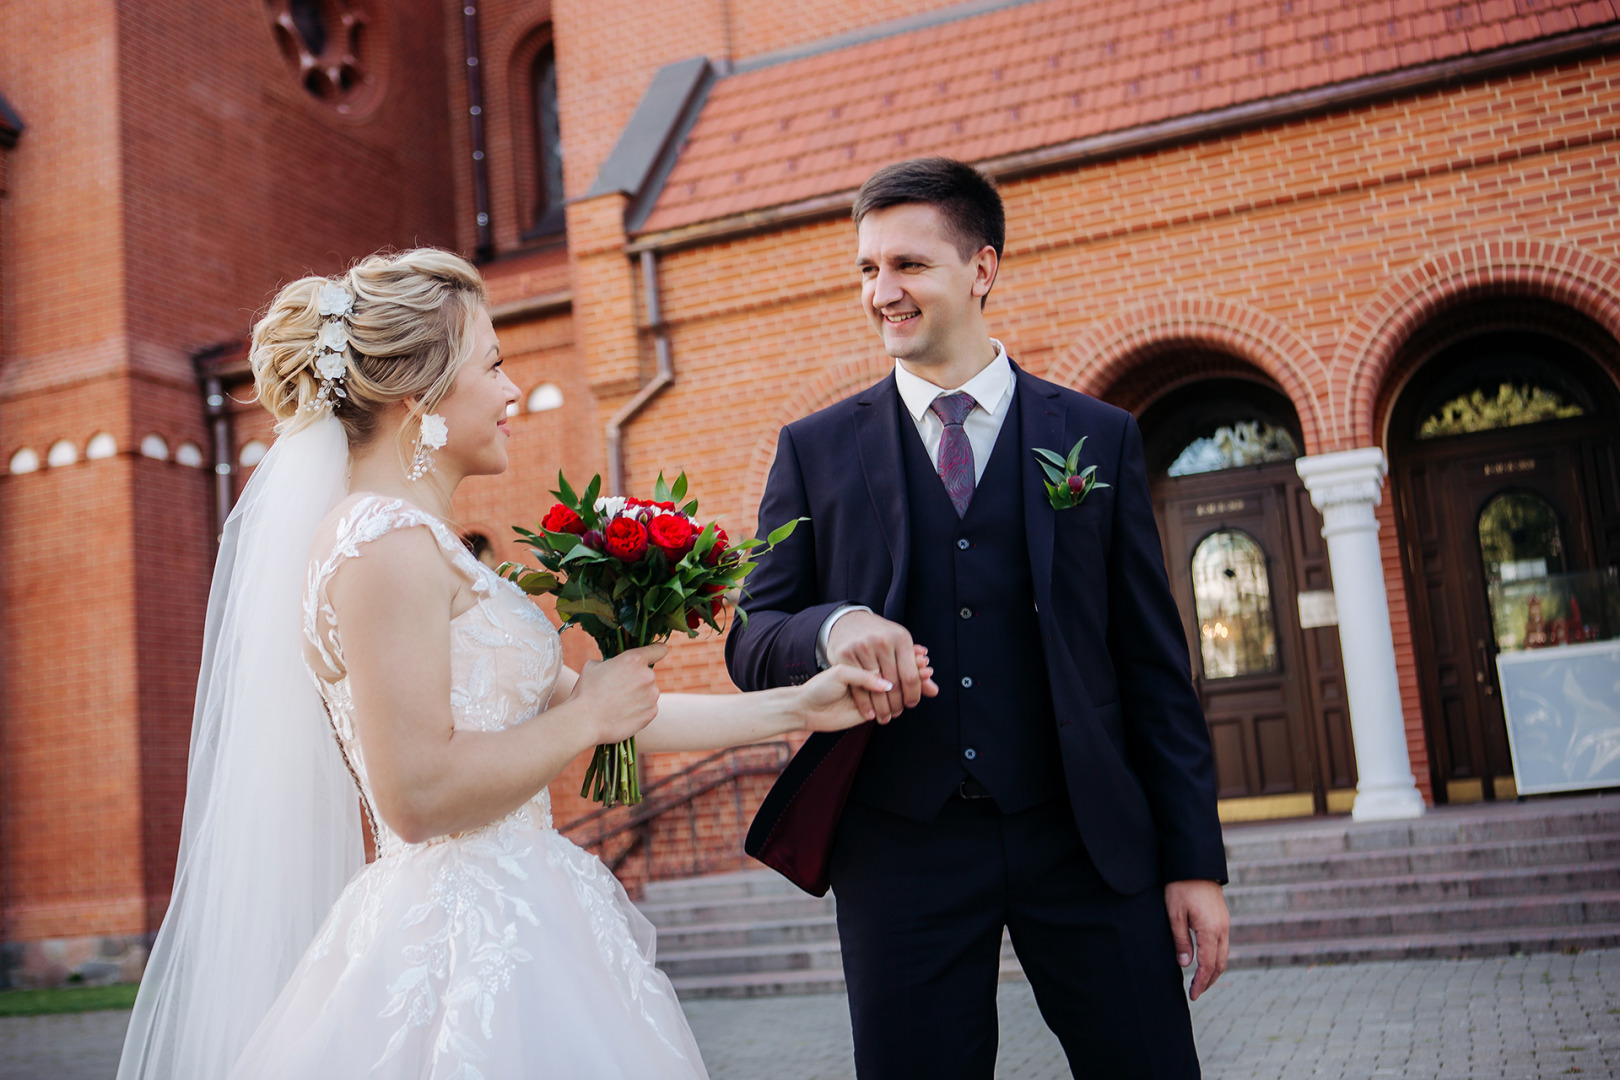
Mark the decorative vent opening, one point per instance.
(326, 42)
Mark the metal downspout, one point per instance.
(475, 128)
(662, 378)
(224, 482)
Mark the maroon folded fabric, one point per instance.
(794, 829)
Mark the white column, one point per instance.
(1346, 486)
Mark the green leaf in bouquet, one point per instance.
(690, 509)
(565, 494)
(748, 545)
(678, 492)
(590, 605)
(705, 540)
(588, 503)
(537, 583)
(661, 492)
(621, 587)
(582, 552)
(1053, 473)
(782, 532)
(562, 542)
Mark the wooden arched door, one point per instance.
(1248, 566)
(1505, 464)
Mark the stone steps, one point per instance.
(1461, 881)
(1379, 893)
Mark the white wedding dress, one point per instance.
(502, 952)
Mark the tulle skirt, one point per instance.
(508, 952)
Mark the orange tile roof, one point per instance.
(1044, 73)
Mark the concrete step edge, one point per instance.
(728, 952)
(1430, 878)
(1436, 907)
(1497, 941)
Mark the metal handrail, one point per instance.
(755, 759)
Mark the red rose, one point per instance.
(560, 519)
(719, 548)
(693, 620)
(625, 539)
(672, 534)
(717, 607)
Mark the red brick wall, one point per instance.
(173, 173)
(1273, 244)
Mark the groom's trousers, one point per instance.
(921, 908)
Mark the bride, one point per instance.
(480, 943)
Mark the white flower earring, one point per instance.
(432, 436)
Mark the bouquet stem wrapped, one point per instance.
(631, 572)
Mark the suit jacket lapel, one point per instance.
(1042, 418)
(877, 440)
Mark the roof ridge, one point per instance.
(876, 32)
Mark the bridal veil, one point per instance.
(272, 828)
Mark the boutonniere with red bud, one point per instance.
(1067, 483)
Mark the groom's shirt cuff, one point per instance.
(825, 633)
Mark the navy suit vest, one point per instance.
(971, 600)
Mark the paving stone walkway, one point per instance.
(1501, 1018)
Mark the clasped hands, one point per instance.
(1197, 909)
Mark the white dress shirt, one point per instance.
(992, 393)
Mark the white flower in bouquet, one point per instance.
(610, 506)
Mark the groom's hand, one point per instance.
(866, 640)
(1200, 907)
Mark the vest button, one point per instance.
(970, 753)
(967, 682)
(966, 613)
(963, 544)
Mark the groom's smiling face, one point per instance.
(918, 290)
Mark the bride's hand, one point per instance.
(619, 697)
(827, 705)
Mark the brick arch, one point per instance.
(505, 57)
(1368, 352)
(1112, 349)
(833, 385)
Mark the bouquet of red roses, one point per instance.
(631, 572)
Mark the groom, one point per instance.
(1055, 776)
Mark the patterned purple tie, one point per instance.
(955, 451)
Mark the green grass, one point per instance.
(68, 999)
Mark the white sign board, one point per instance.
(1318, 608)
(1563, 716)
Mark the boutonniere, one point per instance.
(1067, 483)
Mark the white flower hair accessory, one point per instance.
(334, 302)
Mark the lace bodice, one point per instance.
(504, 652)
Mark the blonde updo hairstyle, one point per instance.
(411, 328)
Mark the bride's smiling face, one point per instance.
(474, 410)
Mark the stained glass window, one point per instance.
(548, 187)
(1519, 538)
(1232, 592)
(1247, 442)
(1509, 405)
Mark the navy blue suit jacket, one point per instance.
(1136, 751)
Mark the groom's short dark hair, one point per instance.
(964, 197)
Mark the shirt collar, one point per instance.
(990, 388)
